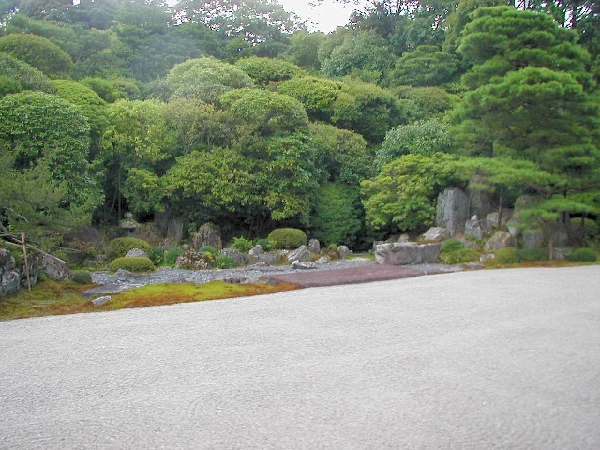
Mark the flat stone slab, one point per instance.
(109, 289)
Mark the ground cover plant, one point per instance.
(50, 298)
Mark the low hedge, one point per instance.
(132, 264)
(582, 255)
(81, 277)
(287, 238)
(120, 246)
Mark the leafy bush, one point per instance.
(532, 254)
(506, 255)
(582, 255)
(224, 262)
(451, 245)
(287, 238)
(120, 246)
(157, 255)
(172, 254)
(132, 264)
(265, 244)
(459, 256)
(241, 244)
(81, 277)
(209, 249)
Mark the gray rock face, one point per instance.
(436, 234)
(240, 259)
(256, 251)
(404, 238)
(494, 216)
(314, 246)
(452, 210)
(480, 201)
(101, 300)
(7, 262)
(500, 239)
(343, 251)
(136, 253)
(304, 265)
(301, 254)
(407, 253)
(269, 258)
(477, 228)
(176, 229)
(55, 268)
(533, 239)
(209, 234)
(10, 283)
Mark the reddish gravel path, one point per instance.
(352, 275)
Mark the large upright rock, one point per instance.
(407, 253)
(209, 234)
(477, 228)
(176, 229)
(55, 268)
(452, 210)
(480, 201)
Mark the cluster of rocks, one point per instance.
(470, 215)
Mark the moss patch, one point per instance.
(50, 298)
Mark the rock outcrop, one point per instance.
(452, 210)
(407, 253)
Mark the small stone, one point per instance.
(303, 265)
(136, 253)
(101, 300)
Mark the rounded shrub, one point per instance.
(172, 254)
(224, 262)
(582, 255)
(287, 238)
(157, 255)
(81, 277)
(265, 244)
(459, 256)
(120, 246)
(532, 254)
(132, 264)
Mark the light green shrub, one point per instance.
(209, 249)
(459, 256)
(241, 244)
(224, 262)
(120, 246)
(132, 264)
(157, 255)
(506, 255)
(265, 244)
(287, 238)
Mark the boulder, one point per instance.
(136, 253)
(209, 234)
(407, 253)
(500, 239)
(480, 200)
(55, 268)
(101, 300)
(493, 217)
(452, 210)
(176, 229)
(256, 251)
(533, 239)
(7, 262)
(269, 258)
(478, 228)
(303, 265)
(314, 246)
(486, 258)
(343, 251)
(436, 234)
(10, 283)
(300, 254)
(404, 238)
(240, 259)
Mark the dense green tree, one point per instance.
(428, 101)
(342, 154)
(38, 52)
(263, 71)
(402, 197)
(303, 49)
(206, 79)
(425, 66)
(337, 214)
(318, 95)
(420, 138)
(42, 129)
(23, 76)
